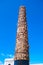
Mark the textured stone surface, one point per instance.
(22, 37)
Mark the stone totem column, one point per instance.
(21, 54)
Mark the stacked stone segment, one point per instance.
(22, 37)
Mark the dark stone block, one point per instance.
(21, 62)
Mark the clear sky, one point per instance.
(8, 26)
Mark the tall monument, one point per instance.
(22, 47)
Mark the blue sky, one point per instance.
(8, 26)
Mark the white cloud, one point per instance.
(1, 63)
(7, 55)
(10, 55)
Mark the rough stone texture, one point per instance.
(22, 37)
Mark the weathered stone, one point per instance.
(22, 37)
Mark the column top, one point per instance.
(22, 7)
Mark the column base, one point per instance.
(21, 62)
